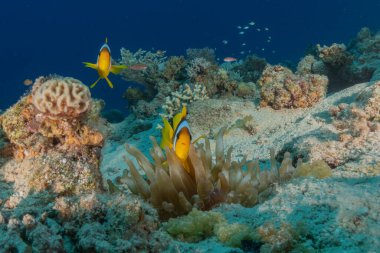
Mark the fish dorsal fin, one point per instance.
(167, 135)
(179, 117)
(106, 40)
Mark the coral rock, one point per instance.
(280, 88)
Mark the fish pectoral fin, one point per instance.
(116, 69)
(109, 82)
(93, 85)
(90, 65)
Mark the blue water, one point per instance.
(43, 37)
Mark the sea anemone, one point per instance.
(174, 191)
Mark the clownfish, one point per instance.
(178, 138)
(104, 65)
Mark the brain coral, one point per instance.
(61, 97)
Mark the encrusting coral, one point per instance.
(334, 55)
(195, 226)
(280, 88)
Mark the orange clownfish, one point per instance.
(104, 65)
(179, 139)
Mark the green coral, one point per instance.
(198, 225)
(195, 226)
(318, 169)
(232, 235)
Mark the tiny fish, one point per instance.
(243, 44)
(239, 27)
(225, 42)
(258, 29)
(139, 67)
(246, 27)
(263, 49)
(229, 59)
(252, 23)
(241, 33)
(242, 52)
(266, 29)
(268, 41)
(27, 82)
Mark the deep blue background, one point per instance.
(43, 37)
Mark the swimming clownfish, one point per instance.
(104, 65)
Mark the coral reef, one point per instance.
(335, 55)
(184, 96)
(58, 172)
(282, 239)
(345, 65)
(236, 235)
(195, 226)
(174, 68)
(354, 133)
(280, 88)
(206, 53)
(57, 145)
(251, 68)
(365, 48)
(246, 90)
(317, 169)
(198, 68)
(86, 223)
(200, 225)
(164, 79)
(33, 131)
(147, 77)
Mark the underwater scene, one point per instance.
(214, 126)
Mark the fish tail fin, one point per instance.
(90, 65)
(116, 69)
(93, 85)
(109, 82)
